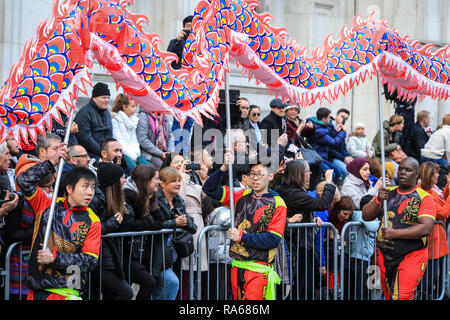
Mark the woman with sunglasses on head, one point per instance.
(174, 216)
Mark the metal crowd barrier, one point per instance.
(217, 277)
(123, 236)
(359, 277)
(328, 264)
(7, 278)
(432, 286)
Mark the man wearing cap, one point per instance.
(275, 119)
(94, 121)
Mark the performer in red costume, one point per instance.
(402, 252)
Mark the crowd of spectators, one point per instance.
(149, 178)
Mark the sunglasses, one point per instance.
(256, 114)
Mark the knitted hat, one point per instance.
(359, 125)
(100, 89)
(108, 173)
(291, 106)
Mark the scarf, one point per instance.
(354, 167)
(70, 294)
(160, 131)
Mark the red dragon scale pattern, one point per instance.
(53, 68)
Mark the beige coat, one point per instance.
(191, 194)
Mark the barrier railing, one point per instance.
(355, 283)
(220, 264)
(432, 285)
(98, 273)
(305, 254)
(8, 269)
(360, 278)
(311, 252)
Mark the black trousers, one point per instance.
(114, 288)
(141, 276)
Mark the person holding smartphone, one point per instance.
(182, 137)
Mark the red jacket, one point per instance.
(437, 241)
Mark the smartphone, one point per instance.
(343, 120)
(193, 166)
(187, 32)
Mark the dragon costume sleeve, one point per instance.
(28, 180)
(56, 65)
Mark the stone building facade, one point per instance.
(309, 21)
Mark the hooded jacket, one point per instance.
(25, 162)
(357, 146)
(391, 141)
(322, 140)
(124, 131)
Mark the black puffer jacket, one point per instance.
(299, 201)
(110, 246)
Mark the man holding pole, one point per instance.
(260, 221)
(56, 271)
(402, 252)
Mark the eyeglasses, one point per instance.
(258, 175)
(256, 114)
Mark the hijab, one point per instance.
(355, 166)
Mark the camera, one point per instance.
(343, 120)
(3, 195)
(193, 166)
